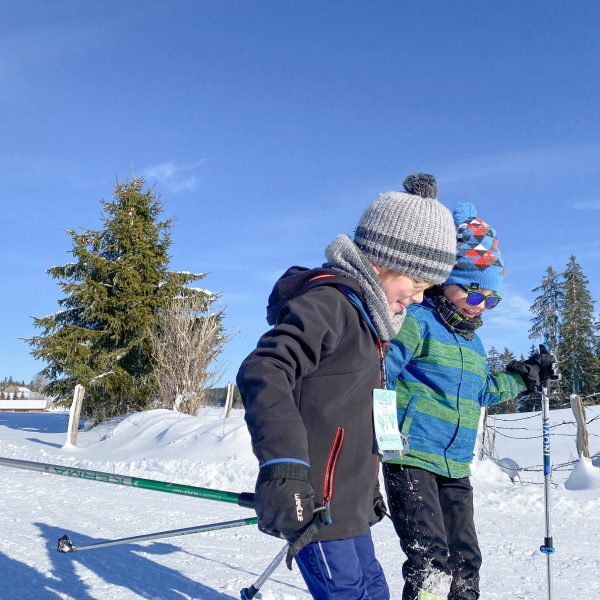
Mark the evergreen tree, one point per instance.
(529, 402)
(546, 310)
(578, 362)
(498, 361)
(494, 361)
(112, 293)
(505, 357)
(596, 398)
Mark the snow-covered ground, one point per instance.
(209, 451)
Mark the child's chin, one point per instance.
(468, 316)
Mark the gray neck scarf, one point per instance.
(344, 256)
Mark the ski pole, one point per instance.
(65, 545)
(547, 548)
(245, 499)
(549, 370)
(321, 516)
(249, 592)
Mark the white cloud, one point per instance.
(175, 178)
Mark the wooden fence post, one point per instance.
(74, 413)
(583, 448)
(483, 418)
(229, 399)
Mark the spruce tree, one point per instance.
(596, 399)
(505, 357)
(494, 361)
(546, 310)
(498, 361)
(578, 362)
(112, 294)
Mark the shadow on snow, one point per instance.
(125, 566)
(26, 583)
(36, 422)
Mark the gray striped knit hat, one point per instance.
(411, 233)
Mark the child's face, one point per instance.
(459, 298)
(401, 290)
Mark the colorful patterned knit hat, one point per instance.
(478, 258)
(410, 233)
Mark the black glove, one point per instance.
(379, 507)
(536, 370)
(284, 500)
(529, 371)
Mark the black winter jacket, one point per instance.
(313, 372)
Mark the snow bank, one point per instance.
(213, 452)
(584, 476)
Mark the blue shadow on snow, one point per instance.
(43, 422)
(38, 441)
(124, 565)
(24, 582)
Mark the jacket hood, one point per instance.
(297, 280)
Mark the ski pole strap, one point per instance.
(321, 517)
(548, 548)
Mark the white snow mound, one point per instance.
(584, 476)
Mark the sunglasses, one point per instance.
(475, 298)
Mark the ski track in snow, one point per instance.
(207, 451)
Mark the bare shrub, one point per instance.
(185, 344)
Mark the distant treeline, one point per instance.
(216, 397)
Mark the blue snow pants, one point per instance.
(343, 570)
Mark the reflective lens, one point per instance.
(492, 301)
(475, 298)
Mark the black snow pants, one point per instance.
(433, 516)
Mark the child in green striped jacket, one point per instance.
(438, 367)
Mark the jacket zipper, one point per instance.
(382, 370)
(334, 454)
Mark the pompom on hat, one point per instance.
(410, 232)
(478, 258)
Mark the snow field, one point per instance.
(208, 451)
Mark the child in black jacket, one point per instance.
(310, 386)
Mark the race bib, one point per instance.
(386, 421)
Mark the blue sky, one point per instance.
(268, 126)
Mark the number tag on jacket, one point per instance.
(386, 420)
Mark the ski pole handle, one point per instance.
(246, 499)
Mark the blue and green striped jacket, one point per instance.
(442, 380)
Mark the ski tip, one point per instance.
(65, 544)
